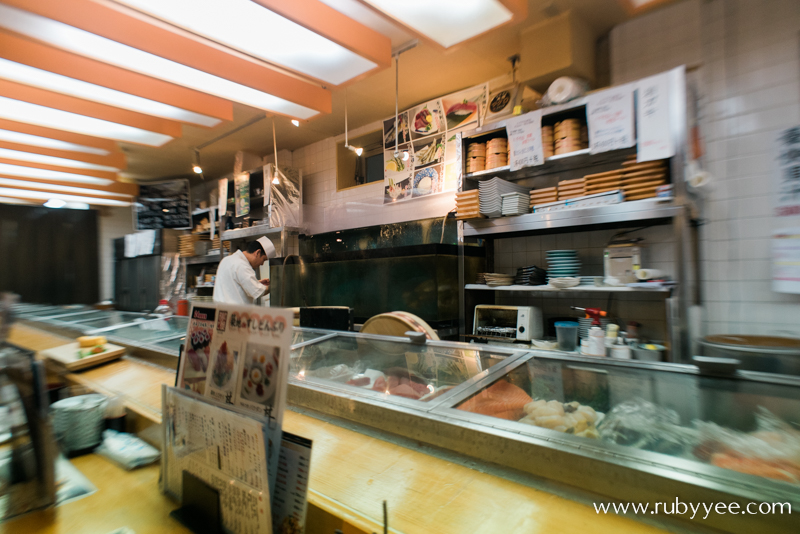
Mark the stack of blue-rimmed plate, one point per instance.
(530, 276)
(562, 264)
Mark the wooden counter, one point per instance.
(351, 474)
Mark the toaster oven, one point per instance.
(513, 322)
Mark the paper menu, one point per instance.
(525, 140)
(225, 449)
(290, 500)
(652, 119)
(609, 116)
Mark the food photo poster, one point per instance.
(239, 355)
(421, 156)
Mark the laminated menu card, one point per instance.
(238, 355)
(290, 500)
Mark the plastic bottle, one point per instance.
(163, 308)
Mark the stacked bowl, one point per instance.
(562, 264)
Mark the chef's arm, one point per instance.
(246, 278)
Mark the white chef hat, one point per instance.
(269, 248)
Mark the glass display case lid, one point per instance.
(47, 311)
(393, 368)
(151, 330)
(748, 423)
(112, 318)
(171, 344)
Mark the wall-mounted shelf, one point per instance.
(208, 258)
(200, 211)
(577, 289)
(255, 231)
(637, 210)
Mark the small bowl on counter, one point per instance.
(649, 352)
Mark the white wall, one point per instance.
(748, 54)
(327, 210)
(112, 223)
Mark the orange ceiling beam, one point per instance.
(337, 27)
(60, 135)
(44, 200)
(88, 193)
(116, 160)
(138, 31)
(105, 175)
(32, 53)
(117, 187)
(72, 104)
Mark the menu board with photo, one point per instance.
(238, 355)
(421, 151)
(163, 205)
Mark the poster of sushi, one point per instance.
(239, 355)
(428, 133)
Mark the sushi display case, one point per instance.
(656, 430)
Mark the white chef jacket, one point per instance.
(236, 281)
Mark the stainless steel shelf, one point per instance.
(255, 231)
(208, 258)
(637, 210)
(550, 289)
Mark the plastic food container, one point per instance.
(652, 354)
(567, 335)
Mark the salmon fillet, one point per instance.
(502, 400)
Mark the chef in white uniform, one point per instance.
(236, 281)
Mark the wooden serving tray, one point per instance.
(67, 355)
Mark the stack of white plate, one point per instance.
(490, 195)
(516, 204)
(499, 279)
(563, 264)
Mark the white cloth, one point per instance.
(236, 281)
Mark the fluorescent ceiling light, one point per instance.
(17, 72)
(46, 174)
(46, 142)
(93, 46)
(446, 22)
(17, 110)
(8, 182)
(52, 160)
(6, 200)
(255, 30)
(76, 206)
(44, 195)
(55, 203)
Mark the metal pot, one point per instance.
(768, 354)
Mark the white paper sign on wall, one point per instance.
(609, 115)
(223, 196)
(652, 119)
(788, 173)
(786, 260)
(525, 140)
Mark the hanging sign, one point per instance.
(652, 119)
(788, 177)
(163, 205)
(609, 117)
(222, 186)
(241, 190)
(525, 140)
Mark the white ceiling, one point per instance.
(425, 73)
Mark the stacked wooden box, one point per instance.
(567, 134)
(547, 141)
(496, 153)
(637, 180)
(186, 244)
(571, 188)
(476, 157)
(543, 196)
(468, 204)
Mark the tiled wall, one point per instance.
(748, 54)
(112, 223)
(645, 308)
(326, 209)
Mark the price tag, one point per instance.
(652, 119)
(610, 119)
(525, 140)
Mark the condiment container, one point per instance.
(597, 344)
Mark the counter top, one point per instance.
(351, 475)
